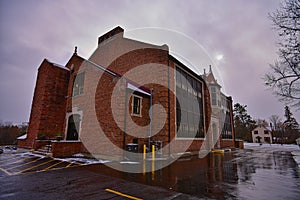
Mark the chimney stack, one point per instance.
(113, 32)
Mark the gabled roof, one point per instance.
(57, 65)
(210, 78)
(263, 127)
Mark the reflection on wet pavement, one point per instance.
(252, 173)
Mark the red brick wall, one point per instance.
(49, 103)
(121, 65)
(121, 55)
(226, 143)
(66, 149)
(138, 54)
(74, 65)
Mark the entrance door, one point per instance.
(73, 127)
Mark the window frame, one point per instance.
(133, 96)
(189, 127)
(78, 90)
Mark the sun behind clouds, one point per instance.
(219, 57)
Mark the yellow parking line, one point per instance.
(123, 195)
(69, 165)
(34, 166)
(2, 161)
(22, 159)
(52, 166)
(76, 163)
(62, 168)
(6, 171)
(24, 164)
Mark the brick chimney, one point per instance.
(113, 32)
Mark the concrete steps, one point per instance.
(44, 150)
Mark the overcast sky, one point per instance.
(238, 30)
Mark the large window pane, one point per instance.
(189, 116)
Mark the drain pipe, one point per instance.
(169, 109)
(125, 118)
(151, 113)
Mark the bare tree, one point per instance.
(275, 122)
(284, 77)
(262, 122)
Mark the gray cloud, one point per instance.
(239, 29)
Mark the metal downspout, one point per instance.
(151, 113)
(169, 120)
(125, 119)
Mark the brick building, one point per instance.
(102, 104)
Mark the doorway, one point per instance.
(73, 127)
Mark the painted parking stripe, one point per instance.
(52, 166)
(8, 159)
(5, 171)
(75, 163)
(20, 160)
(122, 194)
(25, 163)
(43, 163)
(10, 168)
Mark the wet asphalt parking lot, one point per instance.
(257, 172)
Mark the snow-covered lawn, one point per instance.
(285, 146)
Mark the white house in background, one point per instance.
(261, 134)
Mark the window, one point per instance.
(227, 130)
(266, 132)
(78, 84)
(189, 114)
(136, 105)
(213, 96)
(255, 132)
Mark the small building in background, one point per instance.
(262, 134)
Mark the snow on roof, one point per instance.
(22, 137)
(141, 90)
(58, 65)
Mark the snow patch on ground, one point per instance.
(129, 162)
(285, 146)
(78, 155)
(83, 161)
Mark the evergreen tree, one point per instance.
(290, 122)
(243, 122)
(291, 132)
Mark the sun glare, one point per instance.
(219, 57)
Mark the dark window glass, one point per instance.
(189, 106)
(213, 96)
(227, 131)
(136, 105)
